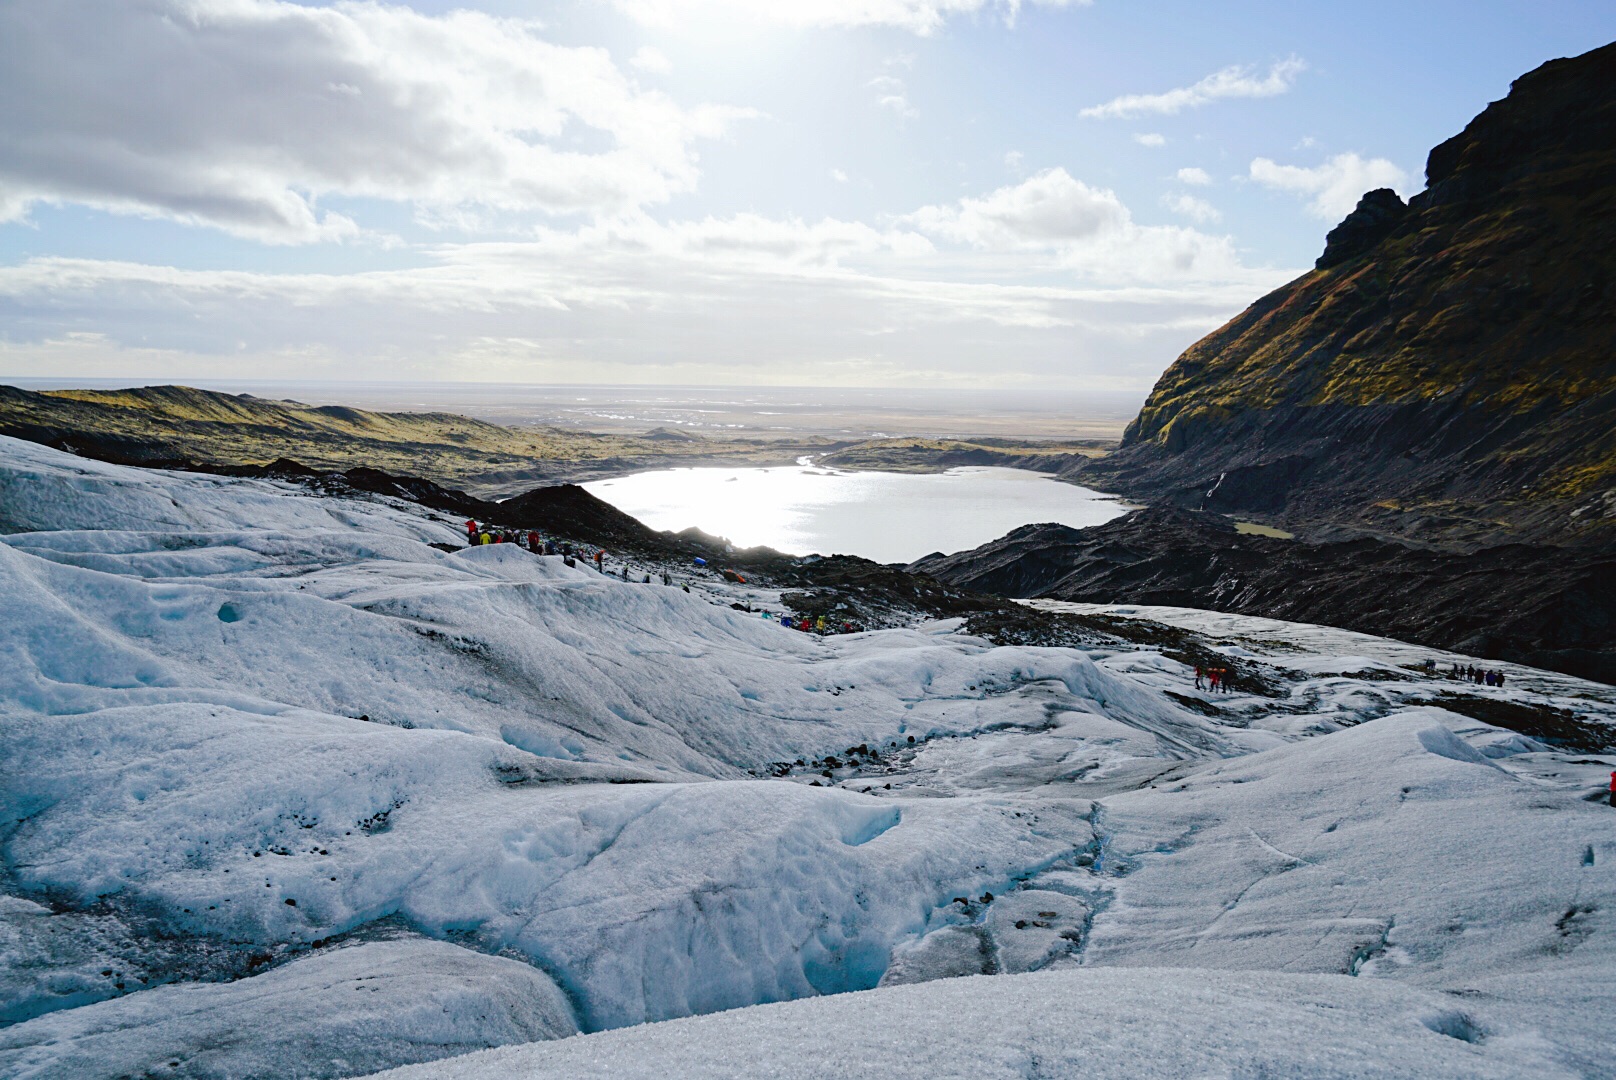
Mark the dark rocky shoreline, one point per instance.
(1540, 605)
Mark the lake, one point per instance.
(888, 517)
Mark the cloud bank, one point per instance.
(1052, 278)
(243, 114)
(284, 123)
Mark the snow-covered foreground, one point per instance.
(289, 791)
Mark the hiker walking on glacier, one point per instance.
(1613, 789)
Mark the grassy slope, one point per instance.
(174, 422)
(1493, 301)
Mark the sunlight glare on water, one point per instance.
(888, 517)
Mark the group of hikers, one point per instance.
(817, 625)
(1479, 676)
(532, 540)
(1217, 679)
(539, 544)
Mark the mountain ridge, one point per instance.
(1447, 373)
(185, 427)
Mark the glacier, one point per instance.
(293, 784)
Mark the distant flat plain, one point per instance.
(834, 412)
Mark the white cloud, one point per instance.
(890, 95)
(243, 114)
(1083, 229)
(1197, 210)
(1193, 175)
(1050, 279)
(1231, 82)
(1335, 186)
(1013, 160)
(1048, 208)
(1150, 138)
(839, 176)
(918, 16)
(652, 60)
(543, 312)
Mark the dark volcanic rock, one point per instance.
(1448, 373)
(569, 509)
(1376, 215)
(1549, 607)
(1141, 554)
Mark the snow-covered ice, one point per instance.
(1097, 1024)
(351, 1008)
(266, 751)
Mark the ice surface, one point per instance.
(243, 727)
(322, 1016)
(1095, 1024)
(1391, 844)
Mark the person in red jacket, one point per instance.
(1613, 789)
(471, 532)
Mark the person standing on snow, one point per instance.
(600, 560)
(471, 532)
(1613, 789)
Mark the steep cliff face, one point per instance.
(1448, 370)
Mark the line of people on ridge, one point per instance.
(1214, 679)
(1479, 676)
(539, 544)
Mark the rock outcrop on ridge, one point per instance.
(1447, 373)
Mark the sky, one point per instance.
(893, 193)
